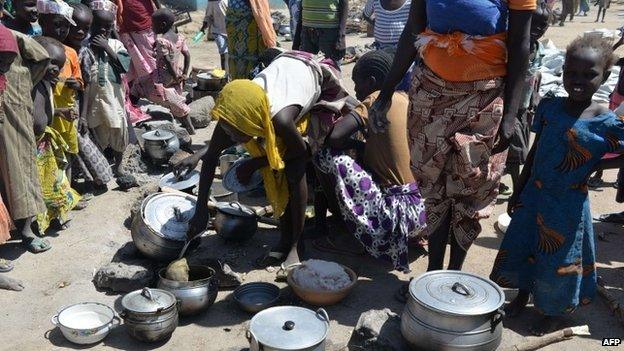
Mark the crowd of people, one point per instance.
(443, 107)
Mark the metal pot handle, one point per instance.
(321, 313)
(497, 318)
(254, 345)
(55, 320)
(115, 322)
(147, 293)
(461, 289)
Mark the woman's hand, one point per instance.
(505, 133)
(186, 165)
(377, 114)
(72, 83)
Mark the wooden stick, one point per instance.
(551, 338)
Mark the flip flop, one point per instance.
(282, 273)
(617, 218)
(270, 259)
(596, 183)
(326, 244)
(36, 245)
(6, 265)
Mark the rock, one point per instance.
(132, 164)
(183, 136)
(227, 277)
(379, 330)
(200, 111)
(178, 156)
(122, 277)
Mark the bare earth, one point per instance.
(63, 275)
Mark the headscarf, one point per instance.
(104, 5)
(56, 7)
(7, 44)
(244, 105)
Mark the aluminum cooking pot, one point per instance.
(208, 82)
(237, 222)
(150, 314)
(288, 328)
(195, 295)
(160, 145)
(453, 310)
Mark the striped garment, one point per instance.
(389, 24)
(321, 13)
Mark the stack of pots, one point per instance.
(150, 315)
(452, 311)
(208, 85)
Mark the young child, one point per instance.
(83, 18)
(56, 20)
(519, 144)
(215, 19)
(103, 63)
(25, 20)
(548, 250)
(323, 27)
(164, 85)
(603, 5)
(52, 149)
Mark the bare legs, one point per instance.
(602, 10)
(437, 247)
(187, 124)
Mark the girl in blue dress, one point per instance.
(548, 251)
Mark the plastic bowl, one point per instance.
(322, 297)
(255, 297)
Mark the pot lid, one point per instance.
(230, 179)
(457, 293)
(289, 327)
(187, 181)
(235, 209)
(148, 300)
(158, 135)
(169, 214)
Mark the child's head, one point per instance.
(370, 71)
(26, 10)
(588, 63)
(56, 51)
(8, 49)
(103, 23)
(162, 20)
(83, 17)
(540, 21)
(55, 18)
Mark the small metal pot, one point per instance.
(288, 328)
(86, 323)
(453, 311)
(207, 82)
(160, 145)
(196, 295)
(235, 222)
(150, 315)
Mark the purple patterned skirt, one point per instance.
(383, 220)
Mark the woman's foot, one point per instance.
(36, 244)
(516, 306)
(7, 283)
(547, 324)
(504, 190)
(6, 265)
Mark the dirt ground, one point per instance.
(62, 276)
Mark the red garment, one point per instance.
(7, 44)
(136, 15)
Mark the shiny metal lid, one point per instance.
(148, 300)
(457, 293)
(290, 327)
(158, 135)
(169, 214)
(186, 181)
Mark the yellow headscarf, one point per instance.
(244, 105)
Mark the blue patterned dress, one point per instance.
(548, 248)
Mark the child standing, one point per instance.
(25, 20)
(103, 63)
(215, 19)
(548, 250)
(52, 149)
(323, 27)
(164, 85)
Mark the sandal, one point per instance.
(6, 265)
(36, 245)
(270, 259)
(326, 244)
(595, 182)
(282, 273)
(617, 218)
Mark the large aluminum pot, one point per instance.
(150, 315)
(160, 145)
(452, 311)
(197, 294)
(288, 328)
(159, 229)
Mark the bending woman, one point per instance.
(474, 57)
(274, 106)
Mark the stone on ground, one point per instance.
(122, 277)
(379, 330)
(200, 111)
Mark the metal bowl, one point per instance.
(196, 295)
(86, 323)
(255, 297)
(322, 297)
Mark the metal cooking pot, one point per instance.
(207, 82)
(235, 222)
(197, 294)
(150, 314)
(288, 328)
(453, 310)
(159, 229)
(160, 145)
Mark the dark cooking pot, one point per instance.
(235, 222)
(207, 82)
